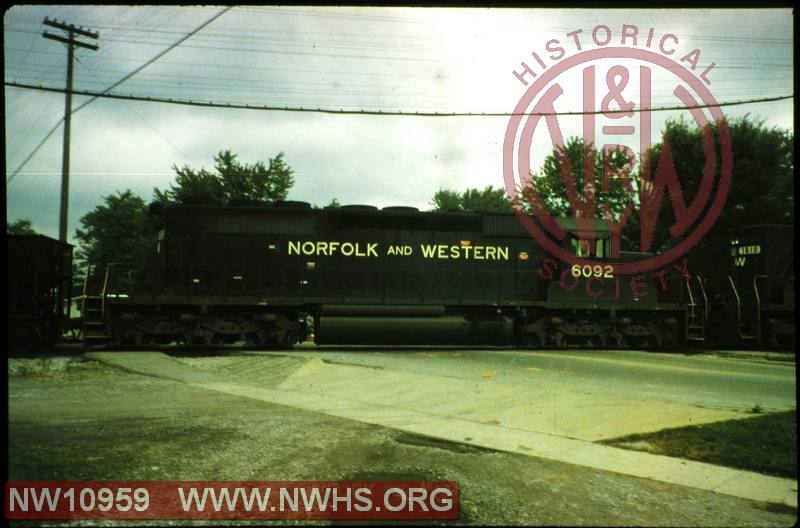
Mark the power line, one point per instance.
(137, 114)
(125, 78)
(240, 106)
(232, 46)
(43, 74)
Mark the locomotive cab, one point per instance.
(595, 305)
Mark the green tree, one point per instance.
(616, 194)
(486, 200)
(446, 200)
(761, 192)
(20, 226)
(119, 230)
(232, 183)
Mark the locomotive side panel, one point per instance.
(347, 256)
(397, 275)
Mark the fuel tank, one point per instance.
(413, 330)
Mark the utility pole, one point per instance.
(71, 42)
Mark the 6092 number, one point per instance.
(597, 270)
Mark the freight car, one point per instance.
(361, 275)
(39, 271)
(756, 295)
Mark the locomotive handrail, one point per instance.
(85, 287)
(691, 304)
(103, 292)
(705, 297)
(758, 303)
(738, 302)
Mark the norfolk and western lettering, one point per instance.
(373, 249)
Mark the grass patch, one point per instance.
(765, 443)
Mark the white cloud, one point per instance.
(381, 58)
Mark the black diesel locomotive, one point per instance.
(359, 275)
(753, 303)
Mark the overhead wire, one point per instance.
(197, 80)
(143, 120)
(148, 39)
(125, 78)
(241, 106)
(153, 36)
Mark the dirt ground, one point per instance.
(80, 420)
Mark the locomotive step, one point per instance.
(695, 333)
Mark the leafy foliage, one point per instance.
(761, 192)
(611, 194)
(570, 159)
(119, 230)
(233, 183)
(487, 200)
(20, 226)
(762, 189)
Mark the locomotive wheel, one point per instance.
(597, 341)
(641, 342)
(27, 337)
(256, 339)
(288, 339)
(527, 338)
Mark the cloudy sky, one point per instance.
(407, 59)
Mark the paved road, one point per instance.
(419, 413)
(71, 419)
(698, 380)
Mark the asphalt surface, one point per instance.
(70, 419)
(697, 379)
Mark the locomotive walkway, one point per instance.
(496, 416)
